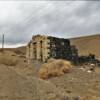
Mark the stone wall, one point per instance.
(44, 47)
(37, 48)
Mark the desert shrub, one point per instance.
(54, 68)
(8, 60)
(51, 60)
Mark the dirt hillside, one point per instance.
(19, 50)
(79, 83)
(16, 87)
(19, 81)
(13, 86)
(88, 44)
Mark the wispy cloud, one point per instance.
(19, 20)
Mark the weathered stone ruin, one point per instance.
(44, 47)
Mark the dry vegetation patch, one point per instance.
(8, 59)
(54, 68)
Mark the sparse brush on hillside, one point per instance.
(8, 60)
(54, 68)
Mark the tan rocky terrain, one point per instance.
(88, 44)
(16, 87)
(20, 81)
(80, 83)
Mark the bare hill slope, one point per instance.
(88, 44)
(16, 87)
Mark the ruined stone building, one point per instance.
(44, 47)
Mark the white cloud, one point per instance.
(19, 20)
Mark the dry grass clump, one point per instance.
(51, 60)
(54, 68)
(8, 60)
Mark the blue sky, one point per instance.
(19, 20)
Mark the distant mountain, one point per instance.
(88, 44)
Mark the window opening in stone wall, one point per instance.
(41, 48)
(34, 49)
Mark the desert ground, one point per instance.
(21, 81)
(88, 44)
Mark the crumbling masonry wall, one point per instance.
(44, 47)
(37, 48)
